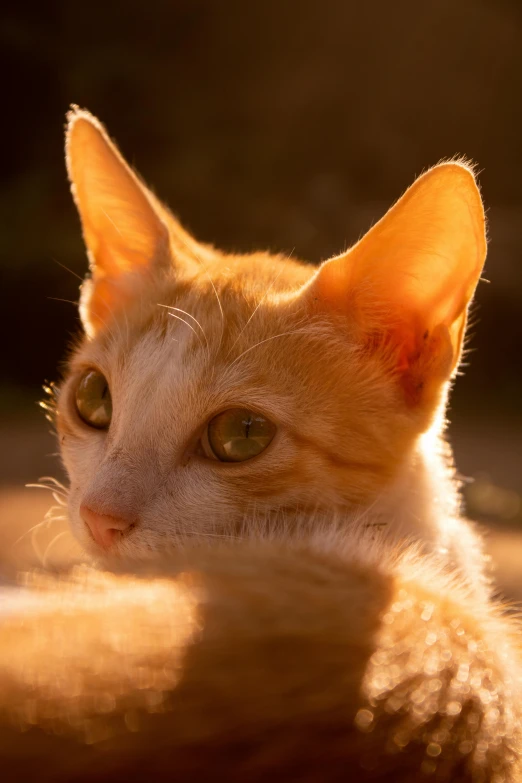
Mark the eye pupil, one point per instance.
(93, 400)
(237, 435)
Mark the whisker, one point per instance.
(27, 532)
(48, 519)
(54, 481)
(49, 546)
(198, 258)
(57, 299)
(205, 269)
(52, 484)
(36, 548)
(55, 487)
(68, 270)
(274, 281)
(179, 318)
(218, 301)
(50, 489)
(274, 337)
(179, 310)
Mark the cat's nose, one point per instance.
(105, 528)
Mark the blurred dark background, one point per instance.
(285, 124)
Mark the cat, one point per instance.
(250, 441)
(214, 393)
(263, 661)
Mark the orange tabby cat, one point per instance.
(216, 393)
(243, 419)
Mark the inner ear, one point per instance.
(406, 286)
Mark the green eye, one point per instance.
(93, 400)
(238, 434)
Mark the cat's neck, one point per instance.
(424, 504)
(425, 492)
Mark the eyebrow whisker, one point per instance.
(274, 281)
(179, 318)
(179, 310)
(274, 337)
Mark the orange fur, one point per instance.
(352, 362)
(260, 661)
(304, 649)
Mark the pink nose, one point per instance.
(105, 528)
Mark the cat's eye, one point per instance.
(93, 400)
(237, 435)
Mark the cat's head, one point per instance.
(212, 391)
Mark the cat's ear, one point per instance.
(123, 228)
(406, 285)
